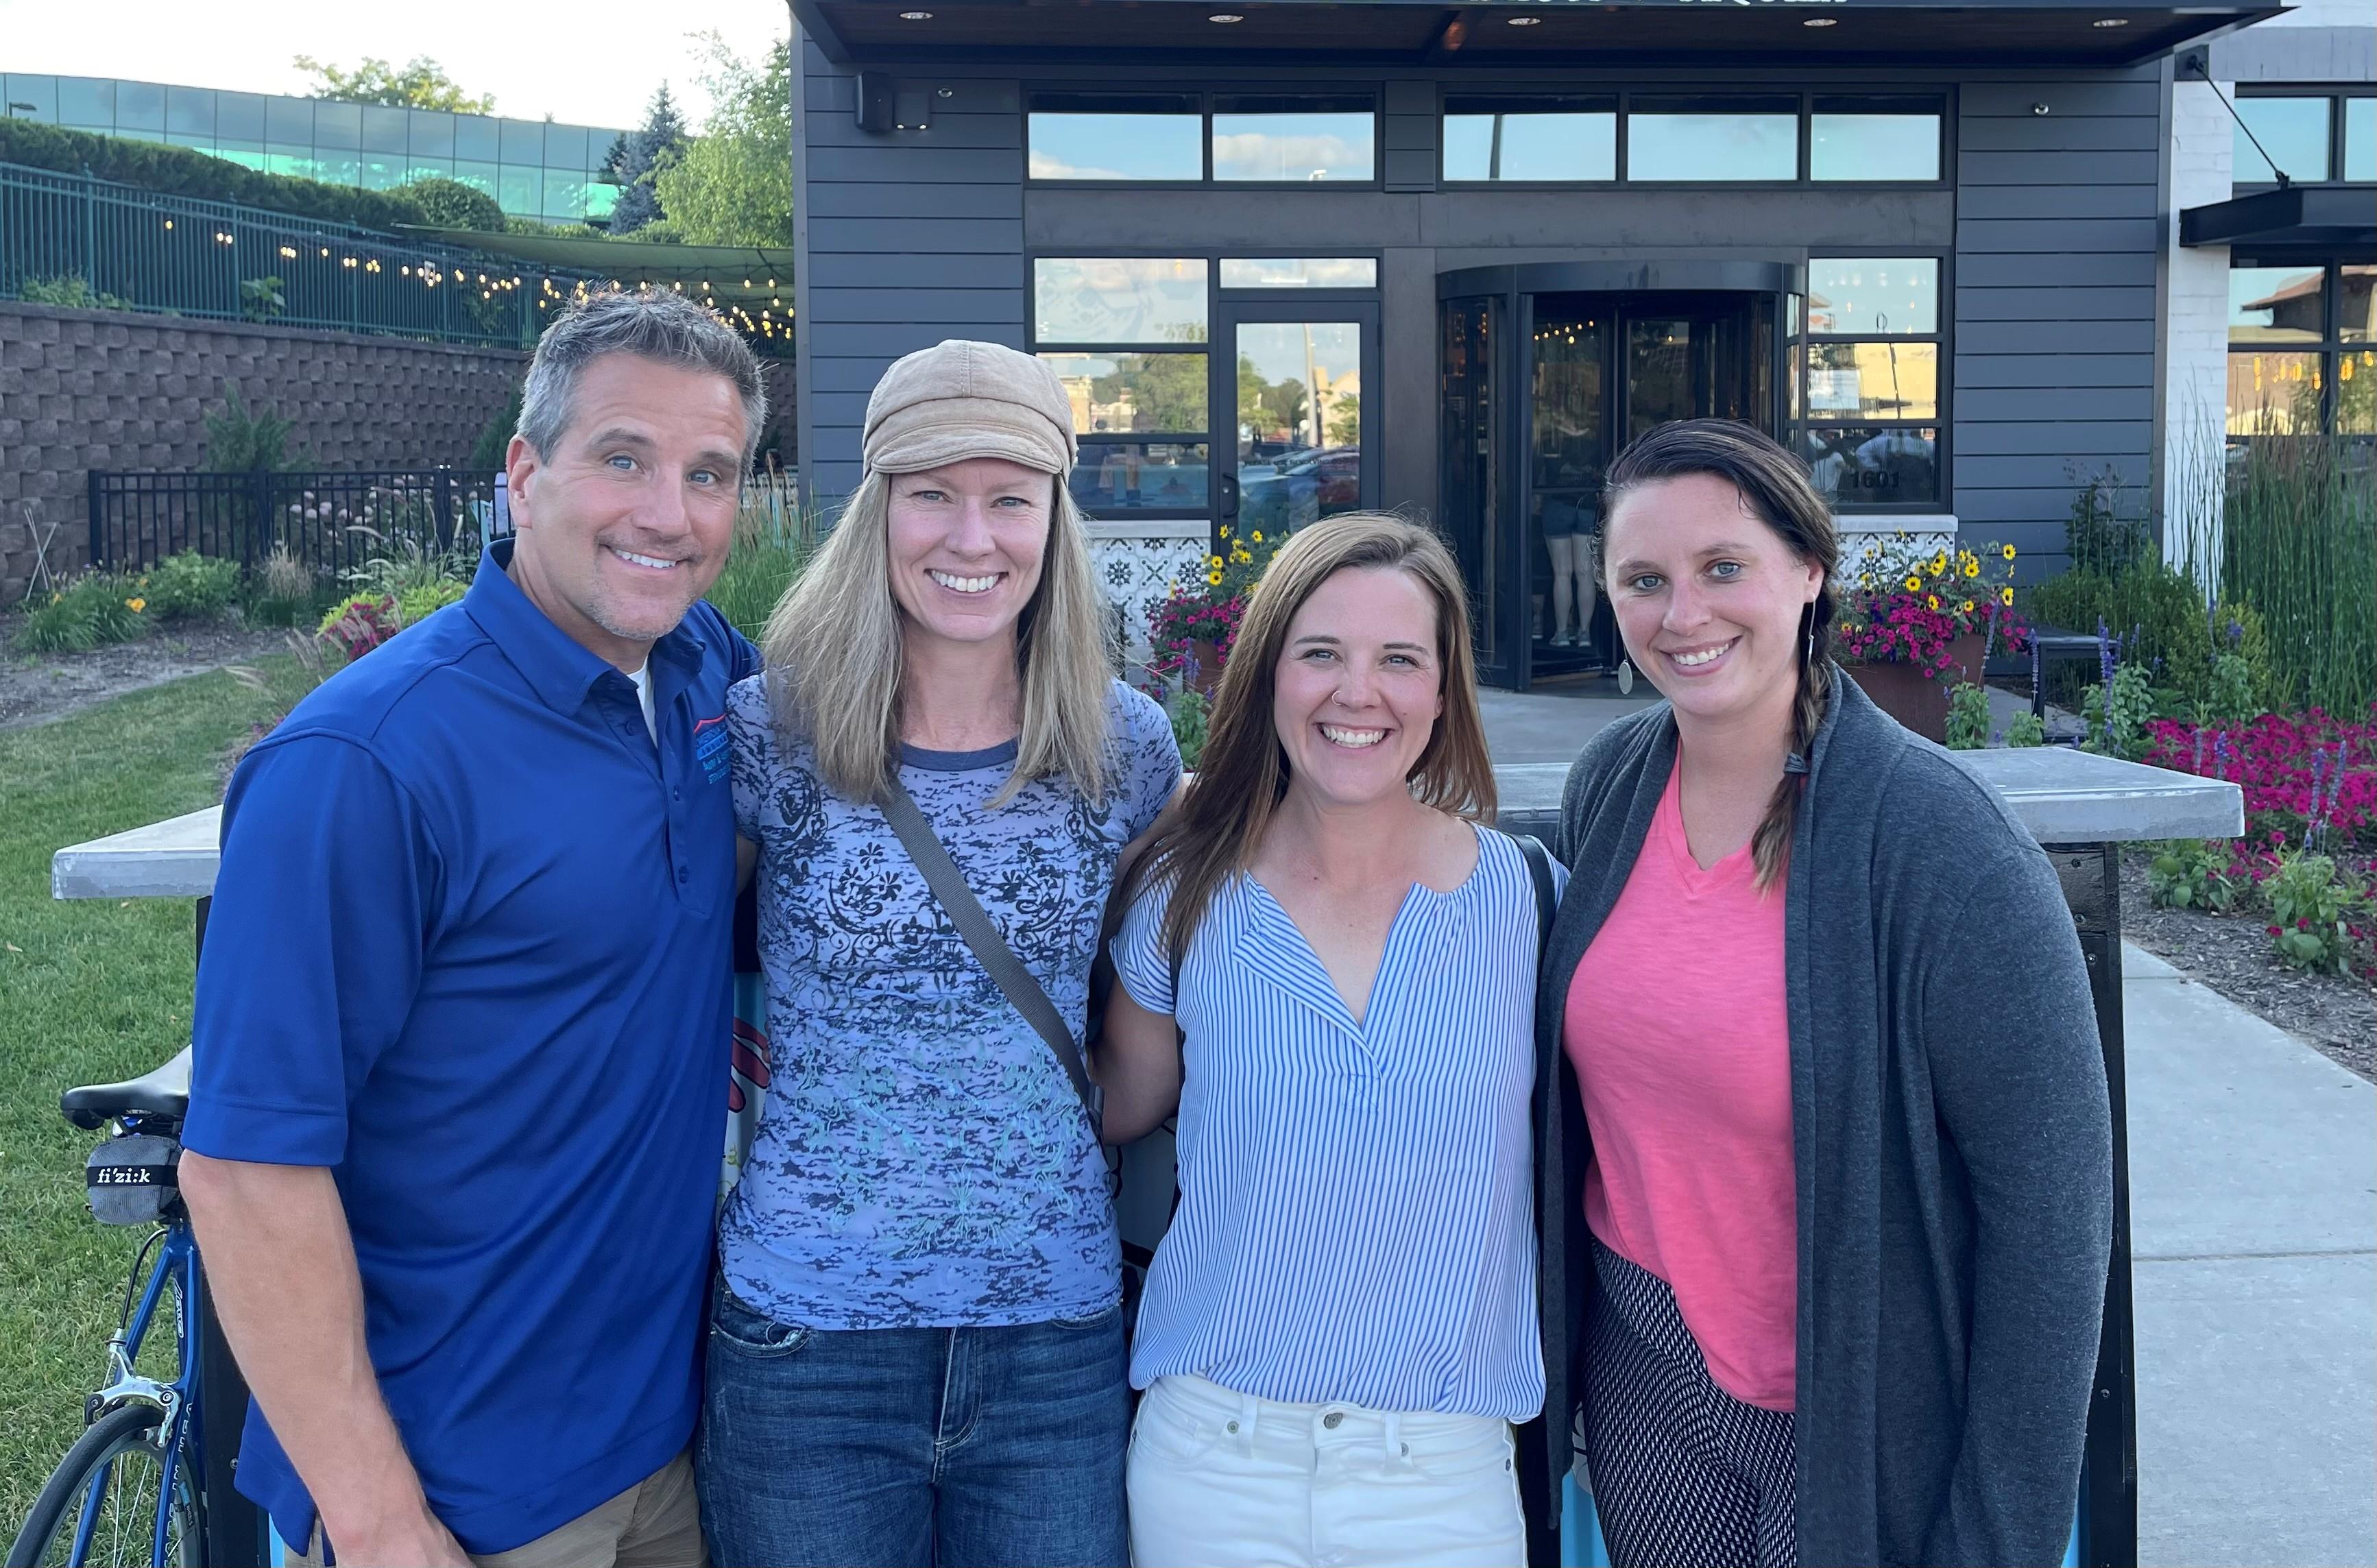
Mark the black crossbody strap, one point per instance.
(965, 912)
(1539, 867)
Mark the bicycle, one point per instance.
(131, 1488)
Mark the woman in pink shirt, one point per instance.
(1845, 1160)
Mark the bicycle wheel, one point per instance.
(118, 1460)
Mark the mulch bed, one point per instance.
(38, 687)
(2337, 1015)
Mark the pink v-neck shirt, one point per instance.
(1678, 1026)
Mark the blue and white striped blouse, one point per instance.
(1355, 1219)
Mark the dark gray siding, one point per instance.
(2058, 238)
(908, 238)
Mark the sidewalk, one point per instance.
(2253, 1205)
(1552, 723)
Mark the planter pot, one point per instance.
(1912, 695)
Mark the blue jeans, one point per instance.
(967, 1447)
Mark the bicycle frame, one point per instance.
(177, 1260)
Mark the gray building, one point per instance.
(1295, 257)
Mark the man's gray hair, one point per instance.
(665, 328)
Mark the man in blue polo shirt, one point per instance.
(463, 1014)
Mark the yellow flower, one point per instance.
(1972, 568)
(1214, 578)
(2009, 552)
(1225, 531)
(1258, 535)
(1968, 606)
(135, 605)
(2005, 596)
(1939, 563)
(1932, 600)
(1213, 562)
(1914, 584)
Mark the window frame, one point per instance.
(2337, 94)
(1207, 511)
(1797, 414)
(2329, 349)
(1203, 97)
(1939, 101)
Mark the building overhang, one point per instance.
(2289, 218)
(1518, 33)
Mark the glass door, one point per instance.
(1292, 375)
(1571, 376)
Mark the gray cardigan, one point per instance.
(1952, 1135)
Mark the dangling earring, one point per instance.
(1626, 678)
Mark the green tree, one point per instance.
(450, 204)
(1167, 390)
(638, 156)
(1346, 419)
(420, 83)
(734, 183)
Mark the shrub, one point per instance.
(94, 610)
(2156, 610)
(179, 171)
(450, 204)
(281, 589)
(71, 289)
(2117, 727)
(495, 441)
(190, 586)
(2025, 728)
(359, 623)
(2306, 778)
(772, 540)
(2193, 874)
(240, 442)
(2308, 913)
(426, 599)
(1968, 717)
(1192, 711)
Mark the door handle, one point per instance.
(1229, 498)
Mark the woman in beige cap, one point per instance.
(916, 1343)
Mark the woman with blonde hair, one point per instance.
(1330, 967)
(916, 1341)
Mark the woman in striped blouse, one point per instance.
(1329, 967)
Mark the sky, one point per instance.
(592, 62)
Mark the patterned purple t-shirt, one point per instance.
(921, 1158)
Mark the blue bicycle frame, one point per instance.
(177, 1260)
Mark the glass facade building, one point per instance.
(533, 168)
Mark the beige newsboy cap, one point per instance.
(960, 400)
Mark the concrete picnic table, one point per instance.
(2080, 808)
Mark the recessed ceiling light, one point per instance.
(915, 15)
(2111, 21)
(1225, 18)
(1821, 21)
(1524, 22)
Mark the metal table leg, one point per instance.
(2108, 1487)
(234, 1526)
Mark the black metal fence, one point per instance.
(327, 522)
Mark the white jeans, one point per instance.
(1219, 1478)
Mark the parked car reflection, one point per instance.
(1298, 486)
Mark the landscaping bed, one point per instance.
(38, 687)
(2335, 1014)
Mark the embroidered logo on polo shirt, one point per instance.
(710, 747)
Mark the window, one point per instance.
(2295, 132)
(1299, 272)
(2301, 358)
(384, 128)
(1705, 139)
(1546, 140)
(433, 136)
(31, 98)
(190, 112)
(139, 106)
(1126, 336)
(1865, 392)
(239, 117)
(87, 102)
(289, 122)
(1186, 137)
(476, 137)
(524, 141)
(1293, 141)
(1117, 301)
(1851, 138)
(1081, 137)
(2360, 139)
(338, 126)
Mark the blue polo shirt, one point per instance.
(470, 948)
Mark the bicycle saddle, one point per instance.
(165, 1091)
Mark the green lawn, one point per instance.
(88, 992)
